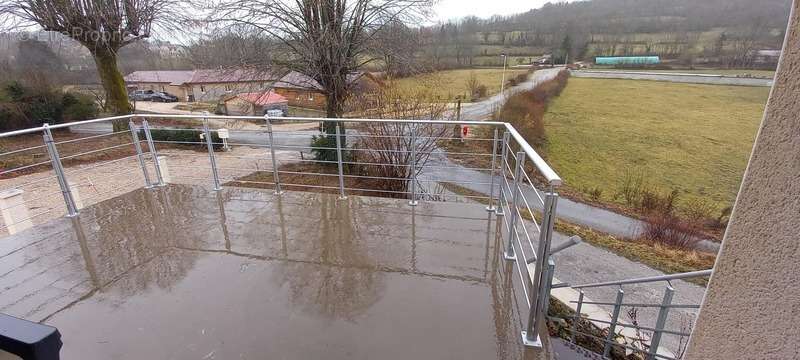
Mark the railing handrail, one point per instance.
(690, 274)
(541, 165)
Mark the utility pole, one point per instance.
(503, 81)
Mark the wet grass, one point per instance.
(689, 137)
(655, 255)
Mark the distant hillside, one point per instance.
(726, 32)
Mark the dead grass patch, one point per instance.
(315, 177)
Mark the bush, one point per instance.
(324, 148)
(79, 107)
(525, 110)
(668, 229)
(23, 107)
(481, 91)
(186, 137)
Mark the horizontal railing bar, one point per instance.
(12, 152)
(49, 177)
(32, 200)
(685, 275)
(552, 178)
(631, 326)
(63, 125)
(91, 137)
(94, 166)
(95, 151)
(5, 226)
(310, 119)
(24, 167)
(617, 344)
(687, 306)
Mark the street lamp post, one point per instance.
(503, 81)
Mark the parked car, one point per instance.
(163, 97)
(141, 95)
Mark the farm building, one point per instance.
(303, 91)
(627, 60)
(214, 85)
(255, 103)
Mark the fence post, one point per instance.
(413, 166)
(153, 152)
(491, 206)
(509, 254)
(55, 160)
(139, 155)
(613, 327)
(661, 322)
(211, 158)
(342, 195)
(501, 197)
(275, 176)
(577, 317)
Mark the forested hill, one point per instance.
(687, 30)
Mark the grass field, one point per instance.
(449, 84)
(767, 74)
(692, 138)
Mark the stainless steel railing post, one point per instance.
(211, 158)
(661, 322)
(139, 155)
(339, 162)
(541, 279)
(58, 168)
(577, 317)
(413, 166)
(501, 197)
(614, 320)
(276, 178)
(153, 152)
(491, 206)
(512, 236)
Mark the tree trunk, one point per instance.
(113, 84)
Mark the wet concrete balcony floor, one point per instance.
(183, 272)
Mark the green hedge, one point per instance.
(183, 137)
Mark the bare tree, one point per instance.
(102, 26)
(398, 46)
(388, 147)
(472, 85)
(325, 39)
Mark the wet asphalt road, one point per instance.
(710, 79)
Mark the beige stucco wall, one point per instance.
(752, 306)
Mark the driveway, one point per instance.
(483, 109)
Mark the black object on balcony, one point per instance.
(29, 340)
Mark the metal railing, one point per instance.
(501, 175)
(645, 340)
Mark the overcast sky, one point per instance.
(452, 9)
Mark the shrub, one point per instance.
(324, 148)
(525, 110)
(481, 91)
(79, 107)
(670, 230)
(23, 107)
